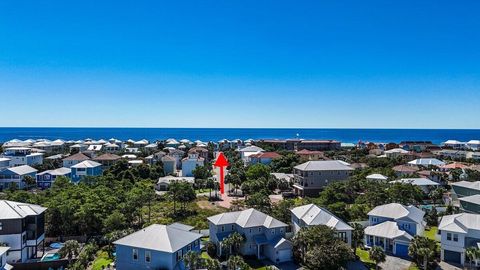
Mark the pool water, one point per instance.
(50, 257)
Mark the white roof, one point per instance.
(129, 156)
(170, 178)
(474, 142)
(3, 250)
(466, 184)
(22, 170)
(475, 199)
(247, 219)
(14, 210)
(141, 142)
(397, 211)
(427, 162)
(396, 150)
(387, 229)
(452, 142)
(314, 215)
(87, 164)
(59, 171)
(185, 141)
(377, 176)
(460, 222)
(159, 237)
(324, 165)
(252, 148)
(4, 159)
(416, 181)
(136, 161)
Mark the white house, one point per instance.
(454, 144)
(22, 156)
(190, 163)
(396, 152)
(426, 162)
(311, 215)
(474, 145)
(424, 184)
(457, 233)
(246, 152)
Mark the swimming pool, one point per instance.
(50, 257)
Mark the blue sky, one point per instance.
(384, 64)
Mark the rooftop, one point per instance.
(398, 211)
(247, 219)
(324, 165)
(314, 215)
(14, 210)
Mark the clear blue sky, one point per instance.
(405, 64)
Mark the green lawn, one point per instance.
(205, 255)
(363, 254)
(431, 233)
(101, 260)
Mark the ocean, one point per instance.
(437, 136)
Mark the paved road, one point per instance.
(395, 263)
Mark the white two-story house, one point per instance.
(22, 156)
(312, 215)
(263, 234)
(457, 233)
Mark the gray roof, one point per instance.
(377, 176)
(475, 199)
(159, 237)
(416, 181)
(466, 184)
(460, 222)
(14, 210)
(427, 162)
(387, 229)
(252, 148)
(87, 164)
(398, 212)
(247, 219)
(314, 215)
(181, 226)
(59, 171)
(22, 170)
(324, 165)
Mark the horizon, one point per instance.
(240, 64)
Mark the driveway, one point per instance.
(447, 266)
(395, 263)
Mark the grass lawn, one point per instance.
(205, 255)
(431, 233)
(413, 266)
(101, 260)
(202, 190)
(363, 254)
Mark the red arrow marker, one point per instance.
(221, 162)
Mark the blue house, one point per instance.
(393, 226)
(156, 247)
(16, 175)
(85, 168)
(45, 179)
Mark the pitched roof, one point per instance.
(77, 156)
(398, 211)
(22, 170)
(13, 210)
(475, 199)
(460, 222)
(271, 155)
(405, 168)
(87, 164)
(387, 229)
(107, 156)
(246, 219)
(416, 181)
(314, 215)
(159, 237)
(454, 165)
(377, 176)
(308, 152)
(466, 184)
(59, 171)
(324, 165)
(427, 162)
(252, 148)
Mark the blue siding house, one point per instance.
(393, 226)
(45, 179)
(85, 168)
(156, 247)
(16, 175)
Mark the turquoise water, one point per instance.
(51, 257)
(215, 134)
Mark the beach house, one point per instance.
(22, 156)
(85, 168)
(16, 175)
(45, 179)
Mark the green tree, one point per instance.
(472, 253)
(191, 260)
(30, 181)
(377, 255)
(357, 236)
(70, 249)
(213, 264)
(115, 221)
(236, 263)
(259, 201)
(422, 250)
(258, 171)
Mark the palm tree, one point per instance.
(70, 250)
(213, 264)
(377, 255)
(234, 262)
(357, 236)
(425, 253)
(191, 260)
(236, 241)
(472, 253)
(29, 181)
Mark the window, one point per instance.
(259, 229)
(223, 228)
(449, 236)
(281, 230)
(135, 254)
(250, 230)
(179, 255)
(148, 256)
(342, 236)
(189, 247)
(455, 237)
(233, 227)
(273, 231)
(24, 239)
(1, 227)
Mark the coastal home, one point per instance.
(263, 234)
(22, 229)
(311, 215)
(4, 163)
(111, 148)
(299, 144)
(190, 163)
(474, 145)
(74, 159)
(392, 227)
(156, 247)
(16, 175)
(470, 204)
(404, 170)
(427, 162)
(154, 158)
(312, 176)
(77, 148)
(150, 148)
(465, 195)
(178, 156)
(107, 159)
(454, 144)
(246, 152)
(169, 165)
(85, 168)
(452, 166)
(45, 179)
(172, 143)
(22, 156)
(201, 151)
(425, 184)
(416, 146)
(396, 152)
(264, 157)
(140, 144)
(164, 182)
(457, 233)
(305, 154)
(452, 154)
